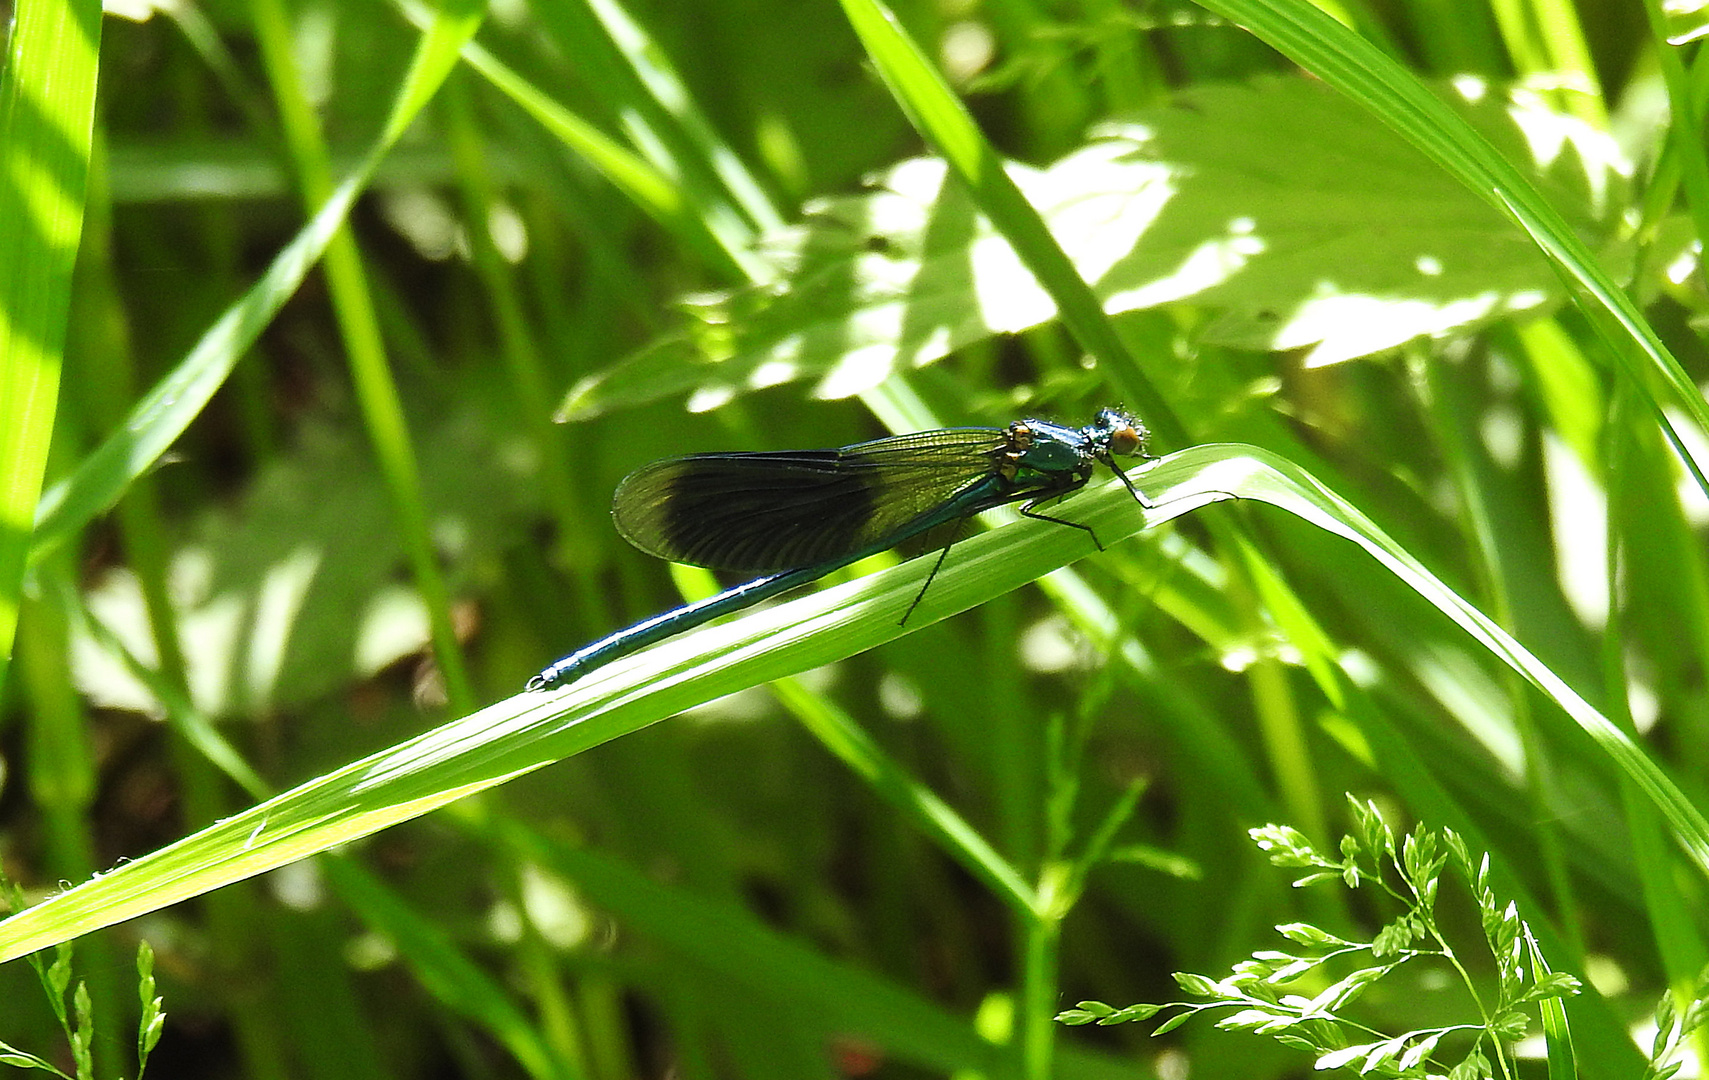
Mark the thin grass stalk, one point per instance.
(1570, 64)
(562, 1031)
(382, 407)
(1450, 416)
(1679, 943)
(1398, 98)
(162, 415)
(928, 815)
(654, 192)
(1685, 140)
(1285, 741)
(515, 338)
(938, 115)
(702, 147)
(1041, 958)
(60, 774)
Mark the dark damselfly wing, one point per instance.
(764, 512)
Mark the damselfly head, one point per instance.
(1120, 433)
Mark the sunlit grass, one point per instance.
(591, 216)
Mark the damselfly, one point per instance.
(796, 515)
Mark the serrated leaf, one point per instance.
(1457, 847)
(1478, 1063)
(1553, 984)
(1510, 1026)
(1418, 852)
(1378, 837)
(1427, 895)
(1392, 938)
(1285, 845)
(1359, 245)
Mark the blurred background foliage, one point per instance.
(678, 227)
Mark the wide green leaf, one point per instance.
(1358, 244)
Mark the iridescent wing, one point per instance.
(765, 512)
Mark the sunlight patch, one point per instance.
(277, 602)
(1209, 264)
(862, 369)
(1350, 326)
(772, 373)
(1578, 512)
(710, 396)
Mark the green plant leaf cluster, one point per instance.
(1297, 996)
(1409, 296)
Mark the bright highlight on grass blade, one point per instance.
(528, 731)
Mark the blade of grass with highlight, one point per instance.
(939, 115)
(766, 964)
(456, 981)
(1400, 99)
(163, 414)
(47, 115)
(365, 349)
(632, 76)
(529, 731)
(648, 188)
(839, 733)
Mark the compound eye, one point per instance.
(1124, 441)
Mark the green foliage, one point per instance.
(78, 1023)
(1175, 203)
(1675, 1027)
(1417, 283)
(1410, 875)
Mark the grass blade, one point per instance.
(47, 113)
(163, 414)
(1400, 99)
